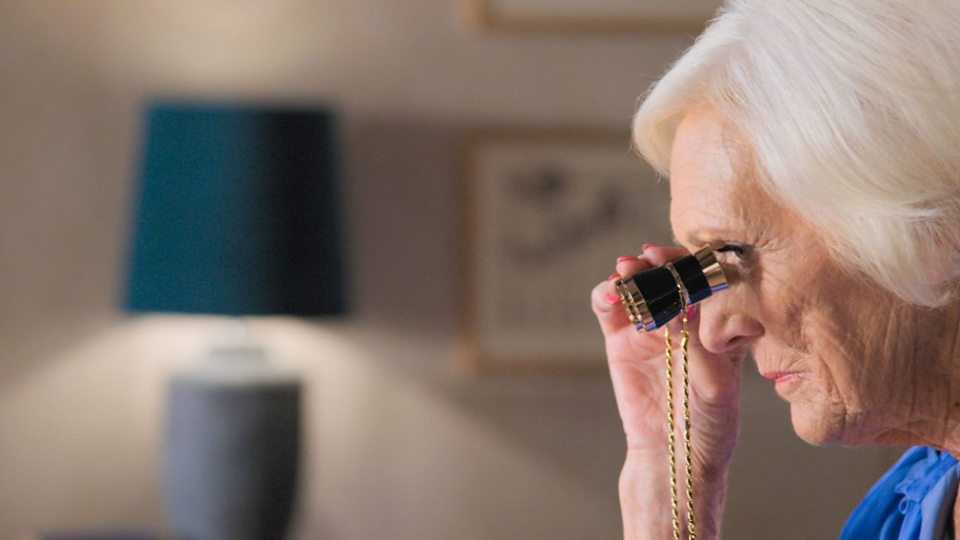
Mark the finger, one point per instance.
(607, 307)
(711, 372)
(660, 255)
(652, 255)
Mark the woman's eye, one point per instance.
(741, 251)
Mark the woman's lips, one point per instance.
(781, 377)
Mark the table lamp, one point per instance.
(237, 215)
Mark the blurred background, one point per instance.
(400, 442)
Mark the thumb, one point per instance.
(714, 375)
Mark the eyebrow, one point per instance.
(696, 238)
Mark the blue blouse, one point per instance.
(912, 501)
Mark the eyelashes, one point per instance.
(741, 251)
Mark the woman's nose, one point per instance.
(724, 333)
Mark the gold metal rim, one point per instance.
(712, 270)
(635, 305)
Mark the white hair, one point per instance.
(852, 110)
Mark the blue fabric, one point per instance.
(912, 501)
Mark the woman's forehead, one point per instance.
(711, 182)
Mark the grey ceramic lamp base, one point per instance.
(233, 439)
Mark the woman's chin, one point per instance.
(813, 426)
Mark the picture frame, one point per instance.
(593, 16)
(546, 212)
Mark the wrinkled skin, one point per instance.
(865, 367)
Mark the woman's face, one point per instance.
(856, 364)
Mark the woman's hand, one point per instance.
(637, 367)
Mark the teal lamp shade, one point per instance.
(238, 212)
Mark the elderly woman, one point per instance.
(816, 145)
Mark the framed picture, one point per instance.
(546, 214)
(592, 15)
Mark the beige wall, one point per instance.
(399, 445)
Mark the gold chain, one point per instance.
(687, 447)
(671, 445)
(671, 426)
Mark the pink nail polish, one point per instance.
(648, 246)
(613, 276)
(692, 311)
(611, 299)
(624, 258)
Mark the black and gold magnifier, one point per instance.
(655, 296)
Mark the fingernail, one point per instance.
(648, 246)
(613, 276)
(624, 258)
(611, 299)
(693, 310)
